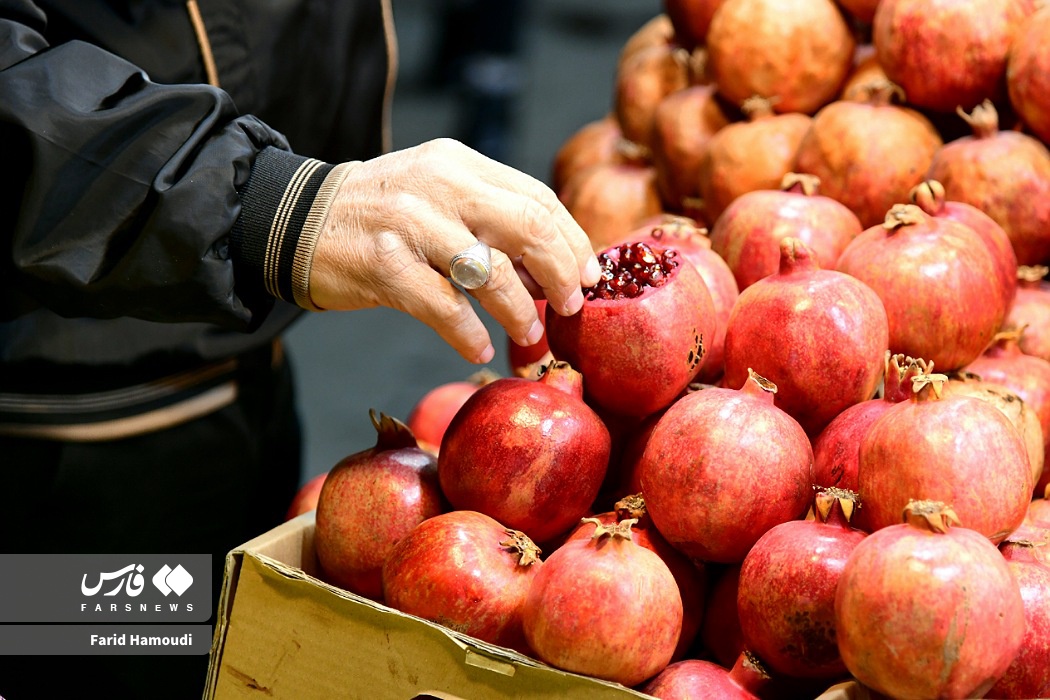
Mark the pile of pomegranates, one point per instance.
(804, 452)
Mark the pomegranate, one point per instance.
(866, 72)
(530, 454)
(1039, 508)
(431, 414)
(951, 448)
(1022, 416)
(604, 607)
(708, 434)
(683, 124)
(796, 52)
(656, 31)
(937, 281)
(1005, 174)
(1028, 73)
(692, 242)
(836, 450)
(1031, 310)
(819, 335)
(528, 361)
(753, 154)
(306, 497)
(608, 200)
(929, 196)
(466, 571)
(947, 54)
(695, 678)
(369, 502)
(594, 143)
(924, 609)
(748, 233)
(868, 152)
(642, 333)
(786, 590)
(690, 577)
(643, 80)
(691, 19)
(1027, 376)
(720, 630)
(1029, 674)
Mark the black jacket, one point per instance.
(140, 203)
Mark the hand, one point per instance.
(398, 219)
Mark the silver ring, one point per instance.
(470, 268)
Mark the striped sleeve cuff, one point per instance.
(283, 207)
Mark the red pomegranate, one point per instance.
(819, 335)
(693, 244)
(866, 72)
(604, 607)
(683, 124)
(868, 152)
(749, 232)
(690, 577)
(691, 19)
(937, 280)
(1029, 674)
(466, 571)
(1005, 174)
(708, 434)
(929, 196)
(643, 331)
(608, 200)
(656, 31)
(530, 454)
(370, 500)
(1028, 73)
(927, 610)
(796, 52)
(1031, 310)
(695, 678)
(836, 450)
(951, 448)
(643, 80)
(1039, 508)
(1022, 416)
(432, 413)
(594, 143)
(947, 54)
(786, 590)
(754, 154)
(720, 631)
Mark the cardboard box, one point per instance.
(283, 633)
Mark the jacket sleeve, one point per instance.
(130, 198)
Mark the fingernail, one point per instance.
(574, 304)
(593, 273)
(486, 355)
(534, 334)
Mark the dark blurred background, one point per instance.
(512, 78)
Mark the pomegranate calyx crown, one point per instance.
(934, 515)
(392, 433)
(620, 529)
(520, 544)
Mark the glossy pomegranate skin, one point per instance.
(819, 335)
(707, 435)
(529, 453)
(609, 199)
(594, 143)
(946, 54)
(696, 678)
(643, 80)
(1028, 74)
(691, 577)
(431, 414)
(786, 591)
(868, 152)
(604, 607)
(1005, 174)
(1031, 311)
(369, 501)
(956, 449)
(638, 354)
(1029, 674)
(458, 570)
(938, 284)
(748, 233)
(921, 613)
